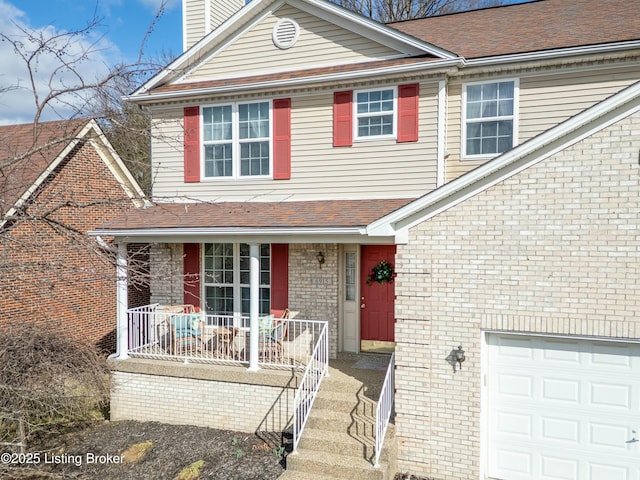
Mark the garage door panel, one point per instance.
(561, 389)
(556, 468)
(562, 429)
(562, 409)
(610, 395)
(609, 436)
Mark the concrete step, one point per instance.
(341, 421)
(293, 475)
(338, 443)
(333, 465)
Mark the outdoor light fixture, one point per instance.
(320, 258)
(459, 353)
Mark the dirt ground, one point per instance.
(141, 451)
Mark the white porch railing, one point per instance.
(309, 385)
(200, 338)
(384, 408)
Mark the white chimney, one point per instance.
(199, 17)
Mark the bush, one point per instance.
(47, 378)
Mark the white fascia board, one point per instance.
(116, 165)
(179, 63)
(294, 82)
(326, 10)
(368, 28)
(558, 138)
(553, 54)
(47, 171)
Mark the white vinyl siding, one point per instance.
(320, 43)
(544, 101)
(375, 169)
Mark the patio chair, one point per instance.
(185, 331)
(270, 343)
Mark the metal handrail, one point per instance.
(307, 391)
(384, 408)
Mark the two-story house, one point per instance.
(468, 180)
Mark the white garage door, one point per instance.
(562, 409)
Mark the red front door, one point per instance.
(376, 307)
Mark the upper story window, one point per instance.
(237, 140)
(489, 118)
(375, 114)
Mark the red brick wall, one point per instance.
(53, 273)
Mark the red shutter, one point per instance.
(408, 112)
(342, 122)
(279, 276)
(191, 269)
(282, 139)
(192, 144)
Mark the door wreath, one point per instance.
(381, 273)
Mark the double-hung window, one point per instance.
(489, 118)
(226, 278)
(375, 114)
(237, 140)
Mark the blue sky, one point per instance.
(123, 22)
(116, 40)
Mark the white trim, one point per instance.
(441, 154)
(553, 54)
(394, 115)
(106, 153)
(235, 141)
(325, 10)
(513, 117)
(221, 231)
(569, 132)
(423, 67)
(207, 17)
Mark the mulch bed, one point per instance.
(220, 454)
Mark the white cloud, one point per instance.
(17, 100)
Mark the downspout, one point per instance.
(442, 133)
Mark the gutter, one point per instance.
(293, 82)
(216, 231)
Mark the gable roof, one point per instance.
(603, 114)
(406, 45)
(529, 27)
(30, 153)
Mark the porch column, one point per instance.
(122, 296)
(254, 305)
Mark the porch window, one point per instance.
(226, 278)
(237, 140)
(375, 113)
(490, 117)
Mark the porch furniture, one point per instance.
(185, 332)
(158, 326)
(226, 346)
(270, 343)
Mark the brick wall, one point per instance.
(52, 272)
(184, 399)
(313, 291)
(554, 249)
(166, 273)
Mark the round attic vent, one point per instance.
(285, 33)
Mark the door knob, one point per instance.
(362, 305)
